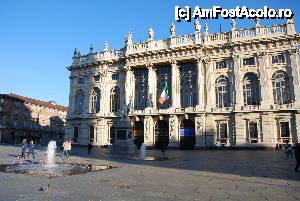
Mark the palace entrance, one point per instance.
(161, 133)
(187, 134)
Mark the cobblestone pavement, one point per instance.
(188, 175)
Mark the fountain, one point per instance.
(143, 151)
(50, 166)
(51, 155)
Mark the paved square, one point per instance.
(189, 175)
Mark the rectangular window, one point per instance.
(75, 134)
(278, 59)
(1, 109)
(221, 64)
(223, 133)
(284, 129)
(253, 134)
(163, 84)
(91, 133)
(80, 80)
(141, 88)
(249, 62)
(1, 100)
(115, 76)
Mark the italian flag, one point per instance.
(164, 94)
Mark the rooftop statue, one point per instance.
(172, 30)
(129, 38)
(151, 34)
(197, 26)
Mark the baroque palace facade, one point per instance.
(236, 88)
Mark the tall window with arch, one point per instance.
(281, 88)
(222, 92)
(115, 99)
(188, 91)
(79, 99)
(251, 89)
(163, 75)
(96, 94)
(141, 88)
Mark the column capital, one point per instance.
(206, 60)
(261, 54)
(149, 66)
(173, 62)
(235, 56)
(294, 50)
(127, 68)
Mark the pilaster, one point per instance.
(148, 131)
(201, 84)
(237, 89)
(173, 131)
(293, 61)
(152, 85)
(208, 98)
(175, 84)
(265, 89)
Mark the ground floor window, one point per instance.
(223, 133)
(285, 132)
(253, 132)
(75, 134)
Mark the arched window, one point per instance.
(79, 99)
(222, 92)
(281, 93)
(95, 96)
(188, 90)
(251, 89)
(115, 99)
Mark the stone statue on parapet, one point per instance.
(172, 30)
(151, 34)
(197, 26)
(129, 38)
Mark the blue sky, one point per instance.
(37, 38)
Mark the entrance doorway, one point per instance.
(187, 134)
(161, 134)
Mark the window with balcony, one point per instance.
(96, 94)
(141, 88)
(188, 88)
(251, 89)
(115, 99)
(281, 88)
(249, 61)
(222, 92)
(79, 99)
(221, 64)
(164, 76)
(284, 132)
(278, 59)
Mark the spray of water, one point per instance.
(51, 154)
(143, 151)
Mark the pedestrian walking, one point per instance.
(65, 151)
(31, 149)
(297, 156)
(24, 147)
(68, 147)
(89, 148)
(289, 151)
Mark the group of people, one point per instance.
(30, 148)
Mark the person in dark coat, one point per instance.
(31, 149)
(89, 148)
(297, 156)
(24, 147)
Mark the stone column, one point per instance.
(152, 84)
(265, 90)
(201, 85)
(293, 62)
(129, 88)
(237, 89)
(175, 85)
(199, 131)
(173, 131)
(87, 95)
(209, 101)
(148, 131)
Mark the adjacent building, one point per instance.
(26, 118)
(236, 88)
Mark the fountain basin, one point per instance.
(60, 169)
